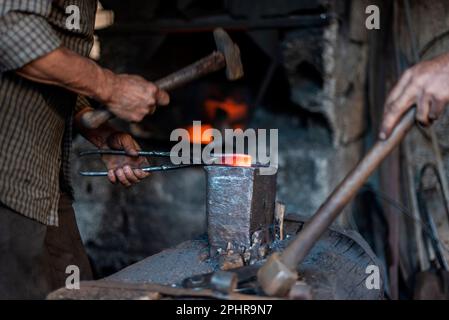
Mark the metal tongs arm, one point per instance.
(161, 154)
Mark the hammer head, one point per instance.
(231, 52)
(275, 278)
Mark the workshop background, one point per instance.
(314, 72)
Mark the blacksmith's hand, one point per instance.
(124, 169)
(427, 85)
(131, 97)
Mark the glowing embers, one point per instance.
(235, 111)
(220, 114)
(200, 133)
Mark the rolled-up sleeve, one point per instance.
(25, 34)
(81, 104)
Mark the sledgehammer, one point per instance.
(278, 274)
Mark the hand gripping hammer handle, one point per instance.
(213, 62)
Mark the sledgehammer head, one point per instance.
(231, 52)
(275, 278)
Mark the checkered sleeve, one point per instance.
(81, 103)
(25, 34)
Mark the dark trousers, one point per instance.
(34, 257)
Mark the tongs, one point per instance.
(215, 159)
(156, 154)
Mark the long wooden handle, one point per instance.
(346, 190)
(213, 62)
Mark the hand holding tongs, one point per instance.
(160, 154)
(238, 160)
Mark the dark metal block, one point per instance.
(240, 201)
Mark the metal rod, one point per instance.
(145, 169)
(346, 190)
(123, 153)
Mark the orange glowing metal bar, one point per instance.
(235, 160)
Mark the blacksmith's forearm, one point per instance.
(65, 68)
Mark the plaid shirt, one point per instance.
(36, 119)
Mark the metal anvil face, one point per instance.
(240, 201)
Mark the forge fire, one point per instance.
(202, 151)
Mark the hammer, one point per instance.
(227, 56)
(278, 274)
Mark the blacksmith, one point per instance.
(45, 77)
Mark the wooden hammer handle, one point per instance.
(213, 62)
(343, 193)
